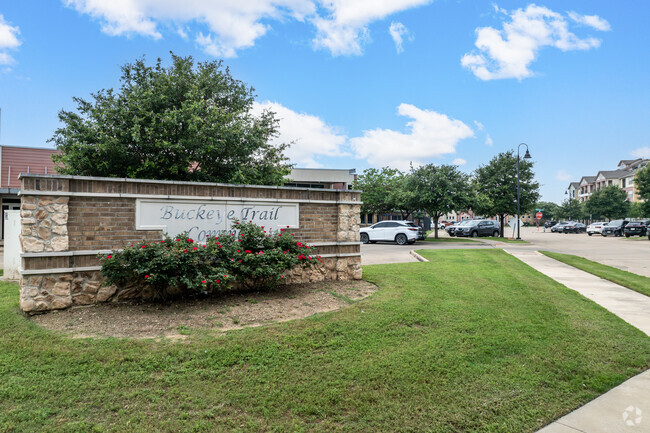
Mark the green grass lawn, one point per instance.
(506, 240)
(472, 341)
(630, 280)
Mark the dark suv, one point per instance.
(636, 228)
(615, 228)
(479, 228)
(549, 224)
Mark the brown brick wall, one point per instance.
(104, 223)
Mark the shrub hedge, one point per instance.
(249, 256)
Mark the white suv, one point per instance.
(401, 232)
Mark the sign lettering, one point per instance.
(202, 219)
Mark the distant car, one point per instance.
(636, 228)
(549, 224)
(451, 230)
(574, 227)
(400, 232)
(596, 227)
(615, 228)
(559, 227)
(478, 228)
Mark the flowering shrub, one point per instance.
(250, 256)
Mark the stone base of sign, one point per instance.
(67, 222)
(59, 291)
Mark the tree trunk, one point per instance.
(435, 225)
(503, 223)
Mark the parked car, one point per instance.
(559, 227)
(451, 230)
(615, 228)
(477, 228)
(549, 224)
(401, 232)
(636, 228)
(574, 227)
(596, 227)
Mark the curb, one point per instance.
(417, 256)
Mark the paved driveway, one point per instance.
(628, 254)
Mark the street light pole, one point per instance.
(526, 156)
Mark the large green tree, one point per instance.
(609, 202)
(188, 122)
(440, 190)
(495, 186)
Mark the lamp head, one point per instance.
(527, 155)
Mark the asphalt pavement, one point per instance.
(628, 254)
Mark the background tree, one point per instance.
(571, 209)
(440, 190)
(374, 185)
(495, 186)
(639, 210)
(186, 122)
(401, 197)
(385, 191)
(550, 209)
(642, 183)
(609, 202)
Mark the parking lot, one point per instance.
(630, 254)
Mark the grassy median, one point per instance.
(472, 341)
(630, 280)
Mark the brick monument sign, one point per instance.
(68, 221)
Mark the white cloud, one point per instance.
(430, 135)
(345, 30)
(310, 135)
(488, 140)
(642, 152)
(8, 41)
(459, 161)
(228, 26)
(397, 32)
(594, 21)
(508, 53)
(479, 126)
(563, 176)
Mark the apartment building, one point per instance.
(622, 177)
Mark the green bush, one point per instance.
(248, 257)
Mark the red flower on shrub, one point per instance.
(281, 276)
(239, 261)
(203, 281)
(218, 281)
(178, 240)
(142, 246)
(190, 240)
(242, 235)
(184, 251)
(146, 276)
(238, 251)
(247, 251)
(109, 256)
(280, 235)
(287, 226)
(195, 248)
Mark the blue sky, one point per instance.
(365, 83)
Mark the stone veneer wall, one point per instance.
(67, 221)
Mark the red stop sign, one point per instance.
(538, 215)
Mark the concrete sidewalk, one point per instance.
(625, 408)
